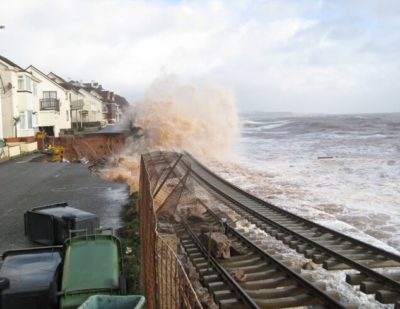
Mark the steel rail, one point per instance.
(227, 278)
(326, 299)
(388, 283)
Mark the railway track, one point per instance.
(268, 283)
(324, 246)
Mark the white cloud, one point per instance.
(304, 56)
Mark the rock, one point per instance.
(239, 275)
(218, 243)
(193, 211)
(308, 266)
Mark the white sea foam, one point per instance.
(326, 170)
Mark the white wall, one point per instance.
(52, 118)
(93, 105)
(1, 117)
(16, 101)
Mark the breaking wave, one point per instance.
(198, 118)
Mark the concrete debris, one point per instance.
(202, 293)
(239, 275)
(192, 211)
(218, 243)
(308, 266)
(165, 228)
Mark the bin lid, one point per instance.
(92, 263)
(30, 269)
(63, 210)
(113, 301)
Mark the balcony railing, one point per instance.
(50, 104)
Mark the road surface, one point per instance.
(25, 184)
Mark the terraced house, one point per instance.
(32, 101)
(18, 89)
(53, 105)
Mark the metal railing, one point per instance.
(162, 276)
(49, 104)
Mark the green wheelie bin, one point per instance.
(114, 302)
(92, 265)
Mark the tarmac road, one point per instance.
(25, 184)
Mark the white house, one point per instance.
(18, 89)
(93, 106)
(53, 105)
(76, 99)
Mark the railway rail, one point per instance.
(324, 246)
(268, 283)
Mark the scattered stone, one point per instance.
(239, 275)
(308, 266)
(192, 211)
(218, 243)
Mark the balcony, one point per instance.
(50, 104)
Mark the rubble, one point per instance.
(218, 244)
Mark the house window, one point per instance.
(25, 120)
(24, 83)
(21, 83)
(28, 83)
(22, 121)
(49, 101)
(29, 119)
(49, 95)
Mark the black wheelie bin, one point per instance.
(30, 278)
(50, 225)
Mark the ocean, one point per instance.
(342, 171)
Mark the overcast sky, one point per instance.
(336, 56)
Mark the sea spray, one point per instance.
(198, 118)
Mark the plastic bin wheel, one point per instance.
(53, 289)
(122, 284)
(4, 283)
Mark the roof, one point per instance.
(45, 76)
(57, 76)
(9, 62)
(121, 101)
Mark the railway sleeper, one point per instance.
(290, 301)
(302, 247)
(383, 263)
(285, 291)
(326, 241)
(243, 257)
(224, 294)
(387, 296)
(281, 235)
(211, 278)
(273, 273)
(288, 239)
(205, 271)
(370, 287)
(319, 258)
(268, 283)
(380, 263)
(256, 268)
(217, 286)
(350, 251)
(355, 279)
(360, 256)
(333, 264)
(230, 303)
(246, 262)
